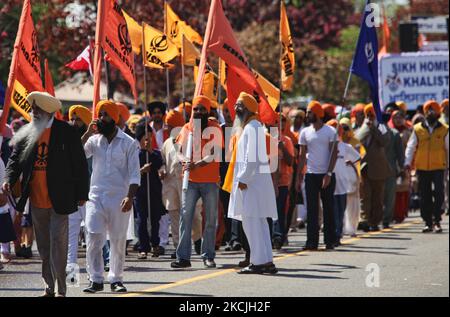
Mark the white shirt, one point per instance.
(159, 135)
(3, 209)
(115, 165)
(318, 148)
(412, 146)
(345, 175)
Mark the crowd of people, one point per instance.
(116, 182)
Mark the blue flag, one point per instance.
(365, 61)
(2, 94)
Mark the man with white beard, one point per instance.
(253, 196)
(49, 156)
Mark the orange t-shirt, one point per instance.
(286, 171)
(210, 172)
(39, 197)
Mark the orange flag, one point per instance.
(386, 36)
(25, 66)
(220, 39)
(287, 61)
(113, 36)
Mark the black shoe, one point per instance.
(118, 288)
(209, 264)
(337, 244)
(386, 226)
(364, 226)
(173, 256)
(181, 264)
(270, 268)
(237, 247)
(25, 252)
(437, 228)
(244, 263)
(106, 268)
(427, 229)
(228, 248)
(94, 288)
(252, 269)
(301, 225)
(198, 246)
(374, 229)
(310, 248)
(329, 247)
(277, 244)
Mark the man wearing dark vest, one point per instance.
(429, 146)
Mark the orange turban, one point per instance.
(432, 104)
(202, 100)
(358, 108)
(369, 109)
(329, 110)
(110, 108)
(124, 112)
(81, 112)
(174, 119)
(249, 102)
(188, 107)
(315, 107)
(334, 123)
(444, 104)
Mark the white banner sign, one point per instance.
(431, 25)
(414, 78)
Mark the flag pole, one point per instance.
(167, 68)
(219, 86)
(281, 78)
(183, 76)
(144, 110)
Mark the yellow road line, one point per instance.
(277, 259)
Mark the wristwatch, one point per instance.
(330, 174)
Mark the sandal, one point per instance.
(5, 258)
(142, 256)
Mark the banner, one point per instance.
(25, 64)
(432, 25)
(220, 39)
(117, 43)
(287, 57)
(19, 100)
(158, 48)
(414, 78)
(175, 28)
(135, 30)
(190, 54)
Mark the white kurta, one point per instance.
(252, 169)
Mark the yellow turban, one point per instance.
(45, 101)
(432, 104)
(402, 106)
(315, 107)
(202, 100)
(346, 121)
(369, 109)
(81, 112)
(174, 119)
(110, 108)
(249, 102)
(135, 118)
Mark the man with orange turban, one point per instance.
(124, 116)
(358, 116)
(316, 142)
(115, 180)
(444, 111)
(428, 146)
(252, 198)
(203, 178)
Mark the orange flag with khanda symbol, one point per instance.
(220, 39)
(287, 57)
(25, 70)
(175, 28)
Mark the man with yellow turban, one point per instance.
(316, 142)
(252, 198)
(115, 180)
(428, 146)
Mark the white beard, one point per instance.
(29, 134)
(238, 126)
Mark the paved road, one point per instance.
(409, 264)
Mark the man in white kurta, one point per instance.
(114, 182)
(253, 197)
